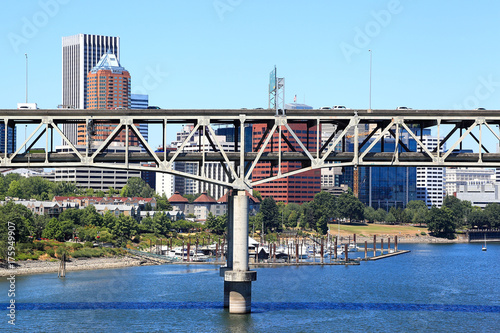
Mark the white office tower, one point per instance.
(455, 177)
(329, 176)
(212, 170)
(430, 181)
(80, 53)
(165, 184)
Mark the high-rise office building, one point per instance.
(140, 102)
(385, 187)
(80, 53)
(108, 87)
(298, 188)
(430, 180)
(11, 138)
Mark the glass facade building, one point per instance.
(385, 187)
(11, 139)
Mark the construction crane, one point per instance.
(355, 182)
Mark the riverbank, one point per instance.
(403, 239)
(41, 266)
(28, 267)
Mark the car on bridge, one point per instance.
(339, 107)
(403, 108)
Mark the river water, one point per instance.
(434, 288)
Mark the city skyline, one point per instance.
(425, 55)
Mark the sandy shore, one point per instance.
(39, 266)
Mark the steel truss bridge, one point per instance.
(474, 130)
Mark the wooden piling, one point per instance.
(396, 243)
(322, 251)
(335, 249)
(188, 252)
(381, 246)
(274, 252)
(297, 252)
(366, 249)
(389, 245)
(374, 245)
(62, 267)
(346, 251)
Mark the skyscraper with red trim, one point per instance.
(108, 87)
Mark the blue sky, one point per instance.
(218, 53)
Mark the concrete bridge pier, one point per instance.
(229, 257)
(238, 280)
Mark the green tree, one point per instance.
(39, 223)
(73, 215)
(161, 224)
(34, 187)
(350, 207)
(270, 215)
(390, 218)
(137, 187)
(191, 197)
(112, 191)
(217, 224)
(257, 194)
(109, 219)
(124, 228)
(323, 205)
(255, 222)
(370, 214)
(15, 190)
(380, 215)
(89, 216)
(492, 212)
(479, 218)
(457, 208)
(65, 188)
(17, 218)
(394, 216)
(307, 216)
(420, 216)
(292, 219)
(322, 225)
(58, 230)
(441, 222)
(162, 203)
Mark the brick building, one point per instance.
(298, 188)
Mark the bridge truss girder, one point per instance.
(452, 126)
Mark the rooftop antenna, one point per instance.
(276, 92)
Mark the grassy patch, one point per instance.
(376, 229)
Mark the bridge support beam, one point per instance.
(238, 281)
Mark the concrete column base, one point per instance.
(227, 285)
(238, 291)
(240, 297)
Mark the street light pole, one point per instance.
(26, 55)
(370, 96)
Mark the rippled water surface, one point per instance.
(445, 288)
